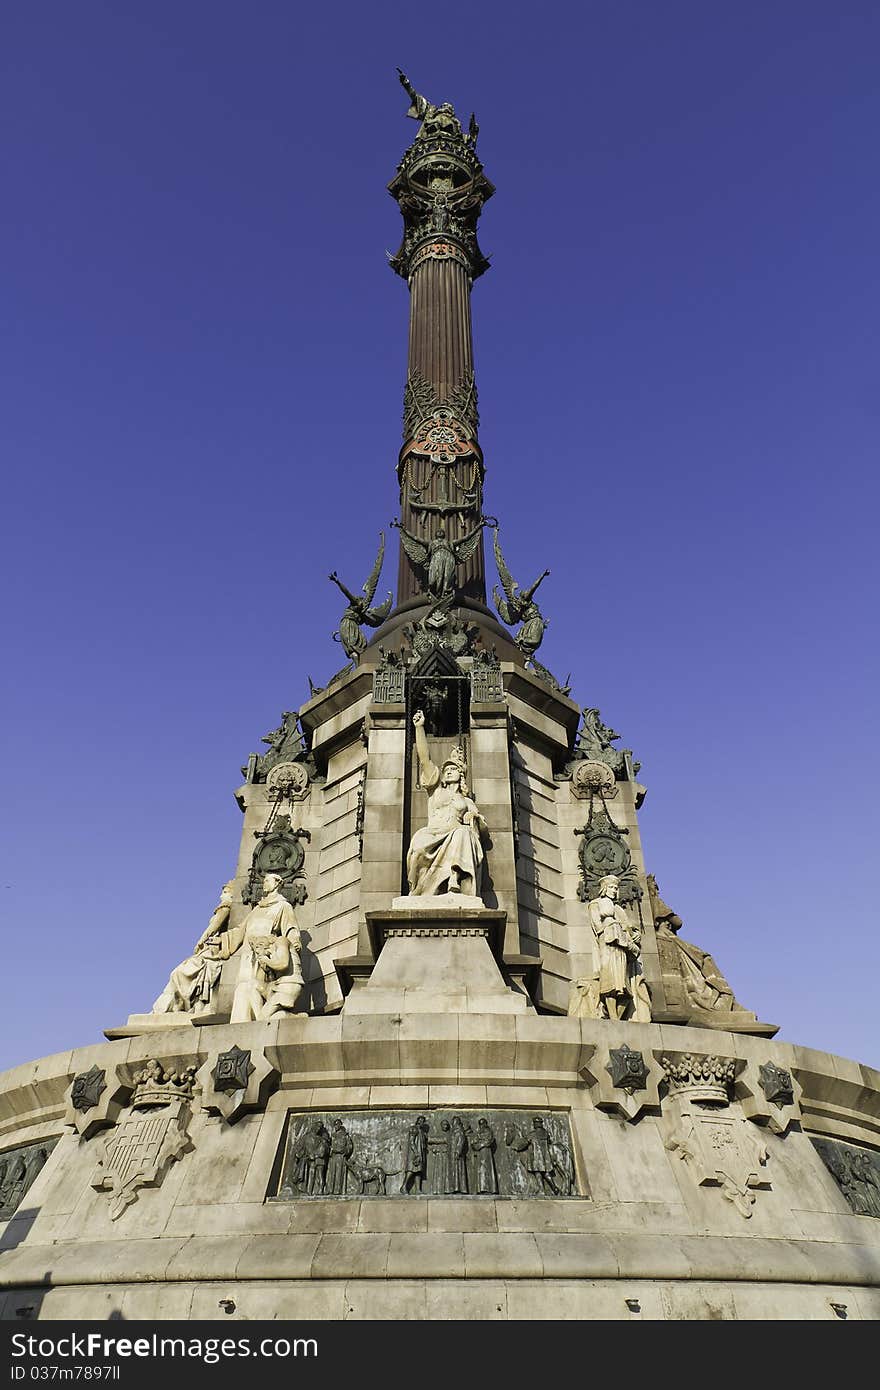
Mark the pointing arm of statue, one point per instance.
(405, 82)
(430, 773)
(352, 598)
(420, 104)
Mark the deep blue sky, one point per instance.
(203, 356)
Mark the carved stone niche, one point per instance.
(95, 1100)
(236, 1081)
(706, 1128)
(624, 1081)
(769, 1095)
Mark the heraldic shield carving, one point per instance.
(149, 1139)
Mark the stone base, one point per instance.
(734, 1021)
(649, 1237)
(441, 902)
(434, 959)
(138, 1024)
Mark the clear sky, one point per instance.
(203, 357)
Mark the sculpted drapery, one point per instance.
(447, 855)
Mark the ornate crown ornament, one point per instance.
(155, 1086)
(706, 1080)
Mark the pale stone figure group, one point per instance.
(445, 856)
(269, 980)
(704, 984)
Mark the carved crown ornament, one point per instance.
(701, 1080)
(155, 1085)
(704, 1125)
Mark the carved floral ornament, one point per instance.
(288, 781)
(593, 778)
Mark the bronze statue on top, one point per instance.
(436, 120)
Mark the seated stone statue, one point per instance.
(192, 983)
(447, 855)
(704, 985)
(270, 978)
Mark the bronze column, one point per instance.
(440, 188)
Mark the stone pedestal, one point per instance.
(437, 958)
(139, 1024)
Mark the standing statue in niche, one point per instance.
(447, 855)
(622, 992)
(270, 977)
(359, 610)
(192, 983)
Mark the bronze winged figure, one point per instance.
(440, 557)
(359, 610)
(519, 607)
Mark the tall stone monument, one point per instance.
(441, 1050)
